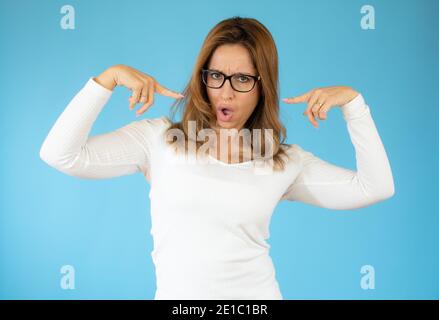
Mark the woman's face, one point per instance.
(230, 59)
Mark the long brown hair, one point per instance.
(256, 38)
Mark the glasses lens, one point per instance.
(213, 79)
(242, 82)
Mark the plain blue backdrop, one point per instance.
(101, 227)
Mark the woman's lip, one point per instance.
(223, 117)
(220, 107)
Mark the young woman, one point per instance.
(210, 220)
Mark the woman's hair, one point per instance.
(256, 38)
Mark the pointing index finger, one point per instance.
(166, 92)
(299, 99)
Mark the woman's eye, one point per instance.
(243, 78)
(215, 75)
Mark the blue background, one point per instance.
(101, 227)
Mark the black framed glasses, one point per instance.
(240, 82)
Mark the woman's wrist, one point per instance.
(106, 79)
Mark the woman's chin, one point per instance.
(225, 125)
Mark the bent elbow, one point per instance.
(46, 155)
(63, 162)
(385, 192)
(49, 157)
(390, 192)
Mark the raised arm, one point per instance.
(69, 149)
(323, 184)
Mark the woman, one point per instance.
(210, 221)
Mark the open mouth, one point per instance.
(226, 111)
(224, 114)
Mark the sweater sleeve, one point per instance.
(323, 184)
(69, 148)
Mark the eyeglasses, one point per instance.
(239, 81)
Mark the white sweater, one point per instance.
(210, 222)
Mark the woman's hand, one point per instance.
(142, 85)
(320, 100)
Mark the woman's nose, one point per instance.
(227, 91)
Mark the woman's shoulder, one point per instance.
(147, 129)
(292, 148)
(152, 126)
(303, 154)
(156, 123)
(293, 151)
(298, 152)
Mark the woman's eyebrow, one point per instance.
(239, 72)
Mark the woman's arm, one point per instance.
(69, 149)
(325, 185)
(124, 151)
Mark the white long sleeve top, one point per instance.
(210, 222)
